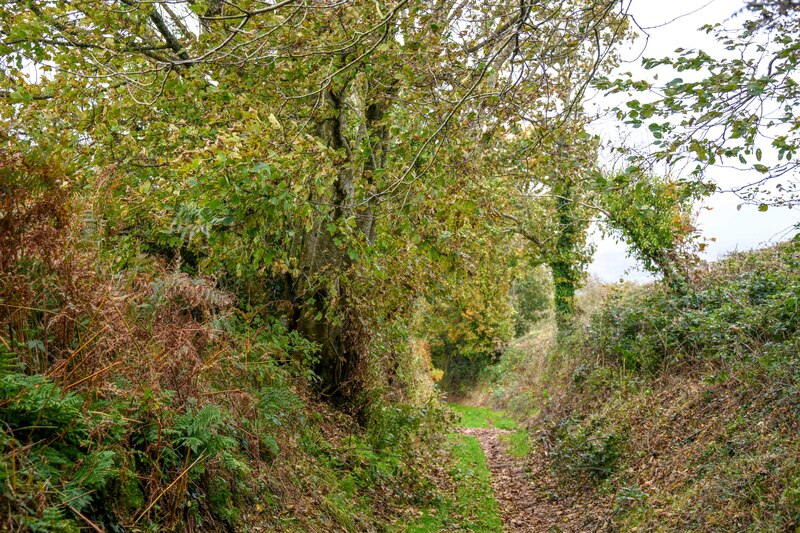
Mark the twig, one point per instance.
(215, 392)
(213, 358)
(66, 361)
(202, 456)
(92, 375)
(89, 522)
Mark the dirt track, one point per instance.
(525, 494)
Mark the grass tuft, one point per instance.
(482, 417)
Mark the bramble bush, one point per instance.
(741, 308)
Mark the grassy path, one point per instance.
(471, 506)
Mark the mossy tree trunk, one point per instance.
(567, 264)
(326, 313)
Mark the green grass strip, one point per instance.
(472, 507)
(518, 444)
(481, 417)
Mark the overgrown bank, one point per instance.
(137, 396)
(669, 411)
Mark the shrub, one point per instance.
(586, 448)
(744, 305)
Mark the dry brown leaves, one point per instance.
(530, 498)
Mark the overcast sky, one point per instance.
(672, 25)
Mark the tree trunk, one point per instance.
(565, 263)
(326, 315)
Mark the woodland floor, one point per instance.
(525, 491)
(510, 486)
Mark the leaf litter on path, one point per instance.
(525, 492)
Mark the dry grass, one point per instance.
(708, 442)
(698, 456)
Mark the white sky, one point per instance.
(673, 25)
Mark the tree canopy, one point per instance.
(334, 157)
(338, 161)
(736, 107)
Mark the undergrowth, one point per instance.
(667, 410)
(135, 396)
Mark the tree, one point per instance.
(469, 323)
(549, 204)
(738, 108)
(654, 216)
(331, 159)
(532, 299)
